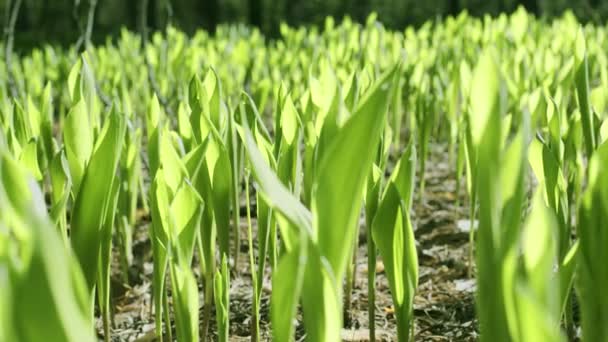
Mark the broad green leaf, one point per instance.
(29, 159)
(78, 141)
(536, 293)
(89, 93)
(46, 127)
(287, 282)
(52, 302)
(484, 95)
(186, 209)
(222, 300)
(171, 163)
(273, 191)
(159, 235)
(394, 236)
(404, 175)
(220, 171)
(592, 273)
(185, 129)
(566, 275)
(93, 198)
(74, 90)
(604, 132)
(582, 94)
(342, 173)
(185, 299)
(483, 133)
(322, 316)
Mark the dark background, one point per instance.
(54, 21)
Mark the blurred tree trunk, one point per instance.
(345, 8)
(132, 14)
(531, 6)
(44, 17)
(288, 13)
(273, 21)
(23, 20)
(210, 12)
(152, 15)
(454, 7)
(362, 10)
(255, 13)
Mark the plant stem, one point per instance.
(124, 232)
(63, 226)
(371, 282)
(167, 315)
(236, 219)
(208, 303)
(106, 324)
(9, 37)
(471, 239)
(273, 243)
(412, 325)
(350, 281)
(255, 323)
(90, 20)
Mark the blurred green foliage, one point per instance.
(56, 21)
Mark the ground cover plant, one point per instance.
(346, 182)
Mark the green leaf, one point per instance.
(159, 235)
(322, 316)
(394, 236)
(46, 127)
(220, 172)
(604, 132)
(185, 299)
(170, 161)
(592, 272)
(51, 302)
(222, 300)
(342, 171)
(484, 96)
(404, 175)
(185, 213)
(78, 141)
(274, 192)
(74, 90)
(566, 275)
(536, 294)
(287, 282)
(584, 103)
(484, 132)
(29, 159)
(93, 198)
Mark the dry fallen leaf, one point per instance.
(379, 267)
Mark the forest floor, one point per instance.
(444, 306)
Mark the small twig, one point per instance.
(9, 36)
(90, 20)
(86, 38)
(592, 12)
(84, 43)
(143, 27)
(76, 21)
